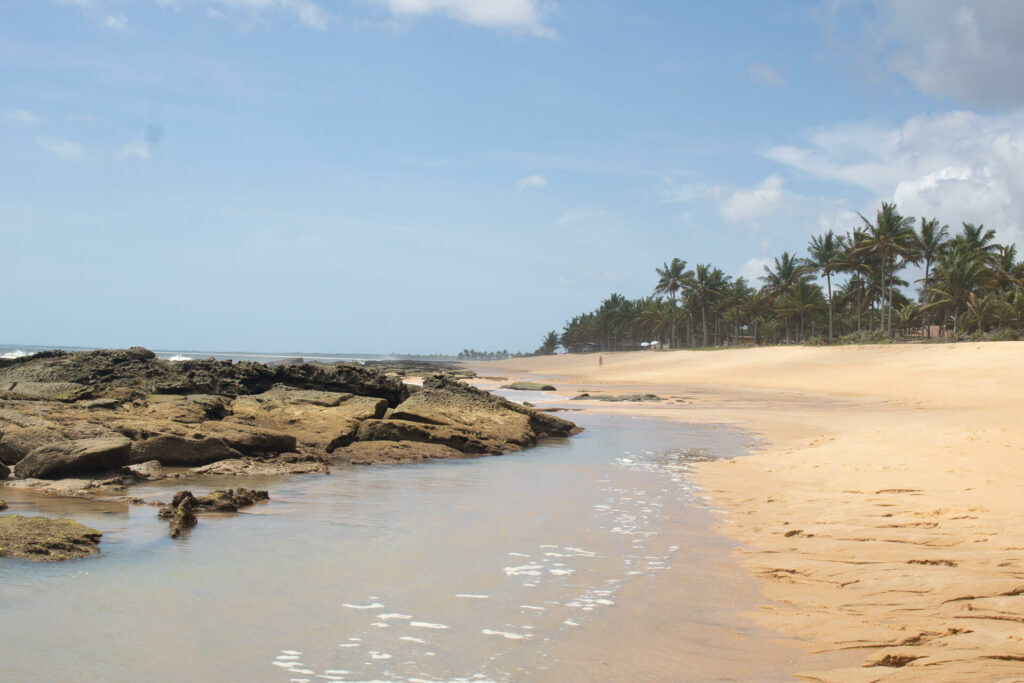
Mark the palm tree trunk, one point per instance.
(828, 278)
(928, 317)
(704, 323)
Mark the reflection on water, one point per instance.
(465, 570)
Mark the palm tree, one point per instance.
(803, 298)
(789, 270)
(827, 256)
(549, 344)
(956, 276)
(975, 238)
(931, 243)
(1005, 271)
(890, 238)
(856, 262)
(705, 283)
(671, 279)
(735, 297)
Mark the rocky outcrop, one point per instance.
(177, 450)
(5, 471)
(15, 443)
(529, 386)
(465, 418)
(181, 512)
(137, 372)
(68, 458)
(137, 416)
(393, 452)
(42, 539)
(43, 391)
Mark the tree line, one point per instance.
(847, 288)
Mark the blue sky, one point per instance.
(432, 175)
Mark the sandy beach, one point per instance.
(882, 515)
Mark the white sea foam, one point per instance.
(379, 655)
(285, 658)
(570, 622)
(385, 617)
(375, 605)
(413, 640)
(286, 665)
(17, 353)
(518, 555)
(379, 624)
(178, 357)
(290, 652)
(504, 634)
(561, 572)
(348, 645)
(472, 596)
(424, 624)
(337, 672)
(524, 570)
(533, 607)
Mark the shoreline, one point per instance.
(880, 516)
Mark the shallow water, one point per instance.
(541, 565)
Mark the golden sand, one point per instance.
(884, 515)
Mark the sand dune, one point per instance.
(884, 513)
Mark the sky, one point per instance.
(425, 176)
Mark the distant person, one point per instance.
(600, 361)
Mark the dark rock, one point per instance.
(101, 403)
(120, 373)
(286, 463)
(465, 418)
(389, 452)
(248, 440)
(5, 471)
(42, 539)
(43, 391)
(150, 470)
(175, 450)
(67, 458)
(229, 500)
(181, 513)
(528, 386)
(3, 506)
(460, 439)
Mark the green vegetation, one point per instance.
(972, 287)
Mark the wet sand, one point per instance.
(881, 516)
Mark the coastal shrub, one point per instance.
(865, 337)
(814, 340)
(1006, 334)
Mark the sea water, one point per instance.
(543, 565)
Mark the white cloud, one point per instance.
(969, 50)
(753, 269)
(19, 116)
(247, 12)
(956, 166)
(116, 22)
(308, 13)
(536, 182)
(134, 150)
(65, 149)
(765, 75)
(748, 204)
(519, 15)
